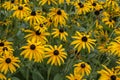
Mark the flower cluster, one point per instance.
(76, 37)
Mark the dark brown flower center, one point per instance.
(1, 44)
(37, 32)
(113, 77)
(94, 4)
(50, 20)
(20, 8)
(41, 25)
(84, 39)
(82, 65)
(32, 47)
(33, 13)
(97, 12)
(8, 60)
(114, 18)
(80, 5)
(59, 12)
(5, 48)
(61, 30)
(56, 52)
(12, 1)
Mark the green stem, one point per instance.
(48, 74)
(27, 76)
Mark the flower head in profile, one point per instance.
(58, 16)
(34, 50)
(55, 54)
(83, 41)
(9, 63)
(82, 68)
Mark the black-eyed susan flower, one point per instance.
(6, 22)
(63, 1)
(42, 2)
(114, 47)
(107, 74)
(5, 43)
(49, 22)
(6, 50)
(58, 16)
(21, 11)
(9, 63)
(34, 50)
(41, 27)
(74, 77)
(37, 35)
(8, 5)
(82, 68)
(109, 21)
(2, 77)
(60, 33)
(26, 1)
(82, 8)
(94, 5)
(55, 54)
(83, 41)
(112, 3)
(34, 17)
(102, 37)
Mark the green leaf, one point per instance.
(58, 77)
(37, 75)
(15, 78)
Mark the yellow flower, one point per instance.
(6, 50)
(74, 77)
(8, 5)
(94, 5)
(37, 35)
(82, 68)
(102, 37)
(33, 51)
(83, 41)
(6, 22)
(60, 33)
(107, 74)
(2, 77)
(56, 55)
(114, 47)
(42, 2)
(58, 16)
(63, 1)
(112, 3)
(109, 21)
(82, 8)
(41, 27)
(9, 63)
(21, 11)
(34, 17)
(5, 43)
